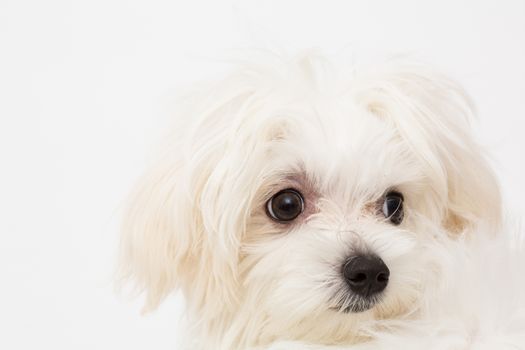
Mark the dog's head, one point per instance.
(301, 202)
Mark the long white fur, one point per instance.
(343, 137)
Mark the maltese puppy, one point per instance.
(300, 206)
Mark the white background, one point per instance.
(85, 91)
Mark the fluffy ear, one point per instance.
(155, 250)
(183, 225)
(433, 115)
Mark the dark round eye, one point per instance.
(393, 207)
(285, 205)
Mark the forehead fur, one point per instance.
(311, 112)
(299, 117)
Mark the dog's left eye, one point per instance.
(393, 207)
(285, 205)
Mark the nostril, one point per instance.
(358, 277)
(382, 277)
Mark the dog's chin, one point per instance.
(359, 305)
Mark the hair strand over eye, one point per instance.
(393, 207)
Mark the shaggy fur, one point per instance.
(197, 221)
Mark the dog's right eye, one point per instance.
(285, 205)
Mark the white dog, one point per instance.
(302, 207)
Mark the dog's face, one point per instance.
(301, 205)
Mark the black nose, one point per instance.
(366, 274)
